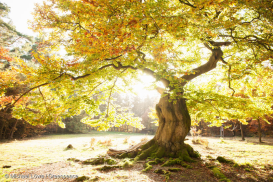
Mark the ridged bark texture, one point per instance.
(174, 124)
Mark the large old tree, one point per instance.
(108, 43)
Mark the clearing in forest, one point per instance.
(49, 156)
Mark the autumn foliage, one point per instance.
(92, 49)
(4, 54)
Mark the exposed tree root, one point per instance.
(164, 172)
(85, 178)
(74, 159)
(148, 165)
(129, 153)
(147, 150)
(151, 150)
(167, 173)
(82, 178)
(224, 160)
(217, 173)
(106, 168)
(174, 169)
(98, 161)
(127, 163)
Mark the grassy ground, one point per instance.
(47, 155)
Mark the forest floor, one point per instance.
(46, 156)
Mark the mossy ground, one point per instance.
(43, 155)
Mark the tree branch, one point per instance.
(229, 77)
(145, 70)
(38, 86)
(109, 99)
(186, 2)
(119, 67)
(229, 81)
(108, 59)
(94, 88)
(44, 101)
(216, 55)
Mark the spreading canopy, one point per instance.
(108, 43)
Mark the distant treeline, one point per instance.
(13, 128)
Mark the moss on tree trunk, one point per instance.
(174, 125)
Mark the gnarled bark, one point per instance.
(174, 125)
(174, 118)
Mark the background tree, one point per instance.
(9, 35)
(112, 42)
(11, 81)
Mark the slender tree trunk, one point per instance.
(13, 129)
(24, 129)
(259, 130)
(2, 128)
(242, 132)
(56, 127)
(4, 132)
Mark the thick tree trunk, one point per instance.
(174, 125)
(242, 132)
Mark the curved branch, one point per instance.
(216, 55)
(71, 76)
(38, 86)
(145, 70)
(229, 81)
(120, 66)
(186, 2)
(229, 77)
(109, 99)
(107, 59)
(44, 101)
